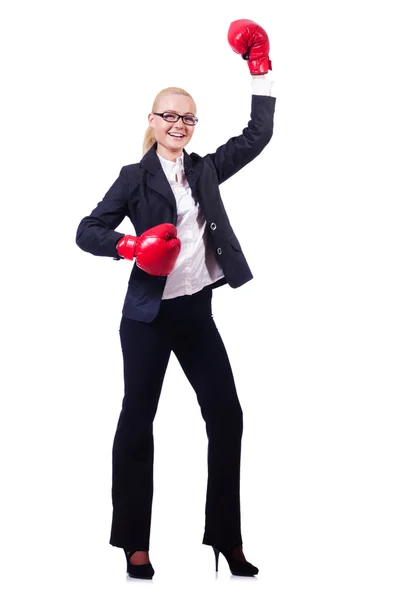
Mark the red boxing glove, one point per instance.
(155, 251)
(251, 41)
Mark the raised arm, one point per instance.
(251, 41)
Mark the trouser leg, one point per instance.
(204, 359)
(145, 356)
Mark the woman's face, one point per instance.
(175, 103)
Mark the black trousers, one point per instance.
(185, 326)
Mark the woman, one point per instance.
(184, 248)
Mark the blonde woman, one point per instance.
(184, 248)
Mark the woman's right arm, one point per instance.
(95, 233)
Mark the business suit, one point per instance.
(143, 193)
(152, 328)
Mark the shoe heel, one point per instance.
(216, 552)
(237, 567)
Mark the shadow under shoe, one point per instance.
(145, 571)
(237, 567)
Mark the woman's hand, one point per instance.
(251, 41)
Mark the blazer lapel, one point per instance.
(158, 180)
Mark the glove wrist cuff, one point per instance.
(260, 66)
(126, 246)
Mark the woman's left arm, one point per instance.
(237, 152)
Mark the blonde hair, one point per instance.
(149, 138)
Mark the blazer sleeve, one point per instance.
(95, 233)
(229, 158)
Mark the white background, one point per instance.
(311, 339)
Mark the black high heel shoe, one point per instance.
(145, 571)
(237, 567)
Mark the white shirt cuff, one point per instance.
(260, 86)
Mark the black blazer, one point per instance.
(142, 192)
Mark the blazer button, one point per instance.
(219, 250)
(213, 226)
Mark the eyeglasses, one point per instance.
(174, 118)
